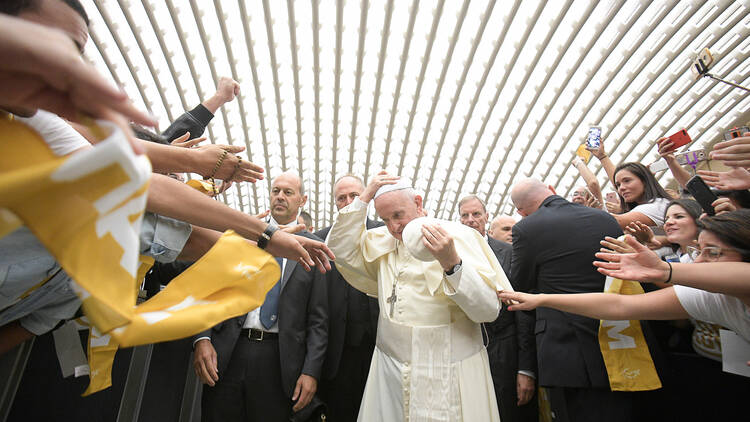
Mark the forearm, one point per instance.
(169, 159)
(731, 278)
(591, 182)
(680, 174)
(171, 198)
(609, 167)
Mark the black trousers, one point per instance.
(343, 393)
(250, 389)
(503, 357)
(571, 404)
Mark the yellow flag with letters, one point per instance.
(624, 348)
(87, 210)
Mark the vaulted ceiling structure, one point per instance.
(457, 96)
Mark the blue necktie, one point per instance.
(269, 311)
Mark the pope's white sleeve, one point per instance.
(345, 240)
(470, 292)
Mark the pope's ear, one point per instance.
(418, 201)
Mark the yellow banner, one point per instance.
(87, 210)
(624, 348)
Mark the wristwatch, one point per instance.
(266, 235)
(454, 269)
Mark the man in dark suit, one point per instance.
(271, 359)
(553, 247)
(352, 324)
(511, 347)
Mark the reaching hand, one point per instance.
(232, 168)
(613, 208)
(723, 205)
(183, 141)
(227, 89)
(205, 363)
(734, 152)
(599, 153)
(262, 215)
(666, 148)
(307, 252)
(440, 244)
(591, 202)
(520, 301)
(643, 233)
(612, 245)
(304, 391)
(380, 179)
(41, 68)
(292, 228)
(736, 179)
(642, 265)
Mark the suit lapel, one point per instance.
(288, 269)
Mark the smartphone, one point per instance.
(736, 132)
(584, 153)
(612, 197)
(702, 61)
(702, 194)
(681, 138)
(688, 157)
(594, 138)
(658, 166)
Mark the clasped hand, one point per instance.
(440, 244)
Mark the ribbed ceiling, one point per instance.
(457, 96)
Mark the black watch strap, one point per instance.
(454, 269)
(265, 237)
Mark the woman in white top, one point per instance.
(642, 199)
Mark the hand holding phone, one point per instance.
(669, 144)
(702, 194)
(612, 197)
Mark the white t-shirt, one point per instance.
(58, 134)
(654, 210)
(717, 308)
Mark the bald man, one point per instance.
(553, 247)
(501, 228)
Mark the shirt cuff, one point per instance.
(201, 113)
(204, 338)
(453, 281)
(527, 373)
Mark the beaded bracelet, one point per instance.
(670, 273)
(236, 167)
(216, 168)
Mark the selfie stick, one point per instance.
(703, 70)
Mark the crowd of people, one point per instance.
(597, 307)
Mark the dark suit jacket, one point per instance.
(339, 293)
(303, 326)
(515, 329)
(553, 251)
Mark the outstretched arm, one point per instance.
(659, 304)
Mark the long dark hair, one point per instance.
(733, 228)
(651, 188)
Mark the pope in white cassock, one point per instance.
(436, 281)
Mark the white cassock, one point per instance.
(430, 362)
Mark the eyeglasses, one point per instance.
(711, 253)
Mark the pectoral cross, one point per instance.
(392, 299)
